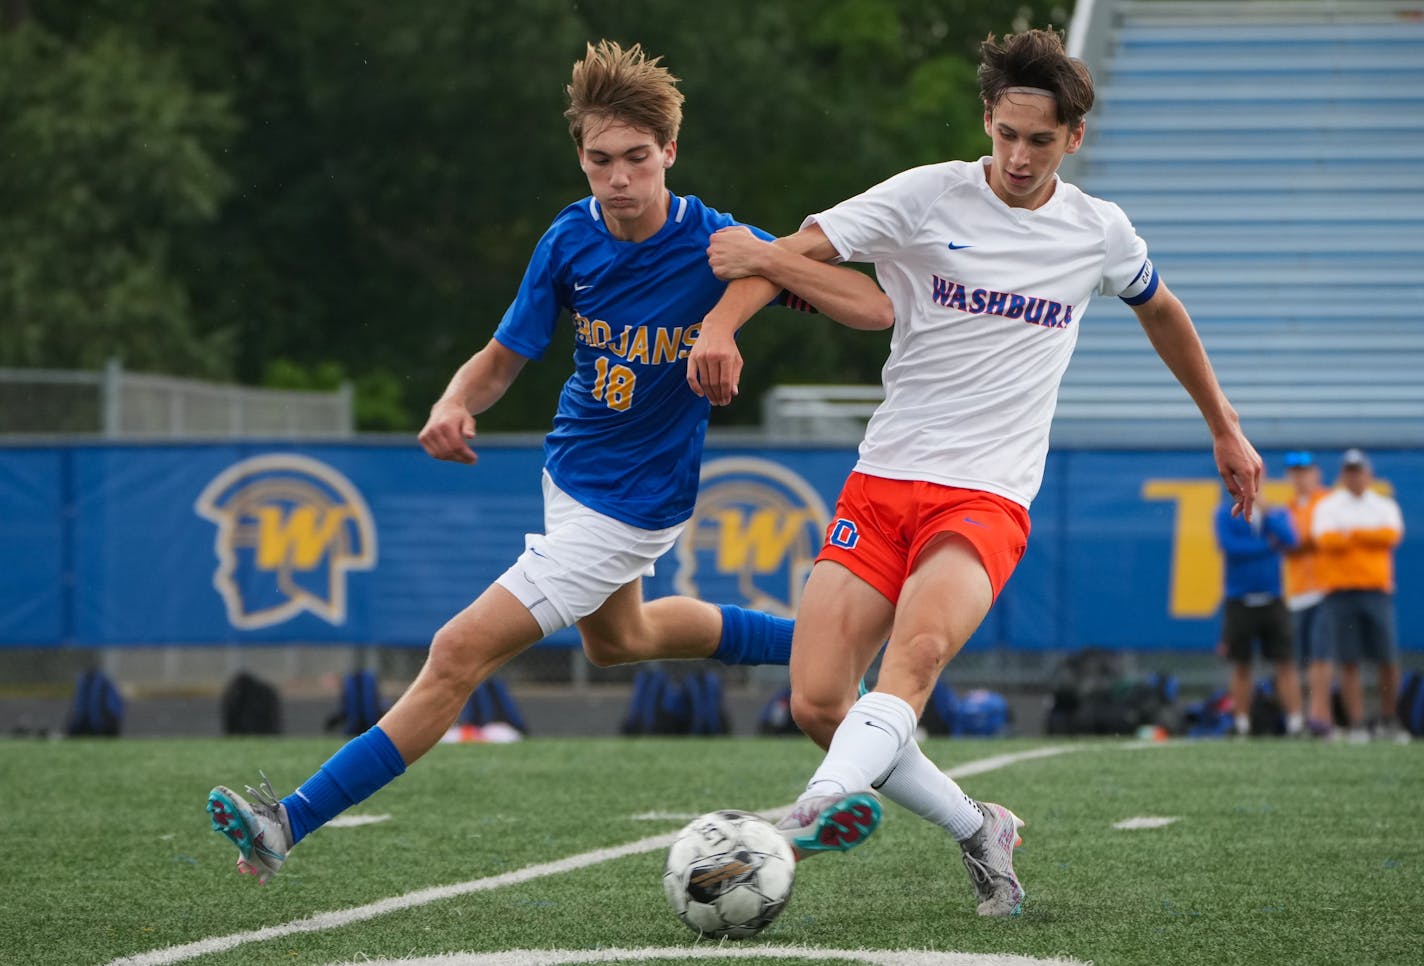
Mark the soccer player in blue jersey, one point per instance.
(629, 265)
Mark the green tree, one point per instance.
(395, 164)
(107, 168)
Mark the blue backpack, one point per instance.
(361, 705)
(775, 717)
(492, 702)
(662, 705)
(709, 716)
(1410, 706)
(98, 708)
(982, 714)
(941, 715)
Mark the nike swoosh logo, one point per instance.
(580, 288)
(954, 248)
(973, 522)
(881, 727)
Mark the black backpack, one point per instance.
(98, 708)
(250, 706)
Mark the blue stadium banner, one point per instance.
(373, 542)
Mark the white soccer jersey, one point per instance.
(988, 300)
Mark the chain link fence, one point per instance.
(118, 404)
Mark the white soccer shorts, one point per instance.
(581, 558)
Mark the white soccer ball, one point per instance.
(729, 874)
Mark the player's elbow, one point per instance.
(876, 314)
(883, 316)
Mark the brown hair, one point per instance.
(1035, 58)
(613, 84)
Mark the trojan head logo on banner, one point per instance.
(752, 538)
(289, 529)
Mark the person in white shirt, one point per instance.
(1356, 529)
(990, 266)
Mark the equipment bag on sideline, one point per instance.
(1410, 706)
(361, 705)
(941, 715)
(98, 708)
(250, 706)
(982, 714)
(775, 717)
(709, 714)
(491, 703)
(659, 705)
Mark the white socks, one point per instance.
(875, 747)
(918, 785)
(865, 745)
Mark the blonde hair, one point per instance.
(613, 84)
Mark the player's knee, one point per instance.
(452, 663)
(922, 657)
(817, 716)
(609, 651)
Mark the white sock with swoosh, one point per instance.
(865, 746)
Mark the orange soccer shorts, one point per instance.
(882, 526)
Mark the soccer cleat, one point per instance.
(989, 857)
(260, 829)
(830, 823)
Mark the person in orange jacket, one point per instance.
(1304, 591)
(1356, 529)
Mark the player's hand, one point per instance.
(1241, 470)
(736, 253)
(448, 431)
(714, 366)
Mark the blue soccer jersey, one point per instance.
(627, 437)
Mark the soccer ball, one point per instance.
(729, 874)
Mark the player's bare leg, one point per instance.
(469, 648)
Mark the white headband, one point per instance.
(1029, 90)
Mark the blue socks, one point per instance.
(364, 765)
(753, 637)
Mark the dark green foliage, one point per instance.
(202, 188)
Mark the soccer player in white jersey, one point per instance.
(629, 265)
(990, 265)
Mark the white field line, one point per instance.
(345, 917)
(355, 821)
(1144, 821)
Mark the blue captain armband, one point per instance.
(1143, 285)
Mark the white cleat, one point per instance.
(830, 823)
(260, 829)
(989, 857)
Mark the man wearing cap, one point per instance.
(1303, 590)
(1356, 529)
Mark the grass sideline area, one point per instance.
(1279, 852)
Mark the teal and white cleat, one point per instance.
(259, 829)
(830, 823)
(989, 857)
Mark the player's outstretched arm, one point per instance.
(800, 263)
(476, 386)
(757, 271)
(1170, 329)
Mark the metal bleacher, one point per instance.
(1272, 155)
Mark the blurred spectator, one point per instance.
(1356, 530)
(1255, 610)
(1304, 591)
